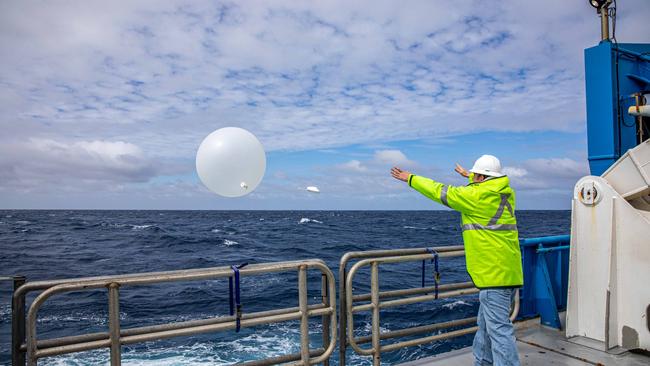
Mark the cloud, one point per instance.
(44, 164)
(514, 171)
(299, 75)
(558, 167)
(547, 174)
(353, 166)
(393, 157)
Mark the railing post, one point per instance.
(114, 323)
(17, 324)
(342, 311)
(326, 318)
(304, 312)
(374, 298)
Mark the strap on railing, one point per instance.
(235, 301)
(436, 270)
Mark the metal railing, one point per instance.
(423, 294)
(26, 343)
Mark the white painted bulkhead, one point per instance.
(609, 275)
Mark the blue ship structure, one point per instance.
(617, 77)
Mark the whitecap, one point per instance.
(201, 353)
(5, 311)
(455, 304)
(306, 220)
(262, 283)
(228, 243)
(23, 222)
(96, 319)
(112, 225)
(417, 228)
(276, 341)
(367, 328)
(140, 227)
(215, 230)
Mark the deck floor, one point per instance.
(539, 345)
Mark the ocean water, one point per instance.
(43, 244)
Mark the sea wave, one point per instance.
(5, 311)
(408, 227)
(52, 248)
(455, 304)
(136, 227)
(271, 341)
(306, 220)
(195, 354)
(141, 227)
(96, 319)
(367, 329)
(229, 243)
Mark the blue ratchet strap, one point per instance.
(424, 263)
(436, 270)
(235, 301)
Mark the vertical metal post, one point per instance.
(342, 311)
(326, 318)
(604, 22)
(114, 323)
(374, 298)
(304, 312)
(17, 324)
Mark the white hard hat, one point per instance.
(487, 165)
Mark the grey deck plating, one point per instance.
(539, 345)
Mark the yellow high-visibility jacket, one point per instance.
(489, 227)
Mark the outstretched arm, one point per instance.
(461, 199)
(400, 174)
(462, 171)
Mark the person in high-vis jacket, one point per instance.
(492, 254)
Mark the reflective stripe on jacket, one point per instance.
(489, 227)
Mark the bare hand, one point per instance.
(462, 171)
(400, 174)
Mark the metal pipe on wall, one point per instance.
(604, 22)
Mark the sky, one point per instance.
(103, 104)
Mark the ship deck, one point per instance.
(540, 345)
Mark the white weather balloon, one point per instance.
(231, 162)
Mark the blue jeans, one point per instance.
(494, 342)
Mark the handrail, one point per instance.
(25, 342)
(350, 256)
(116, 337)
(444, 291)
(554, 239)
